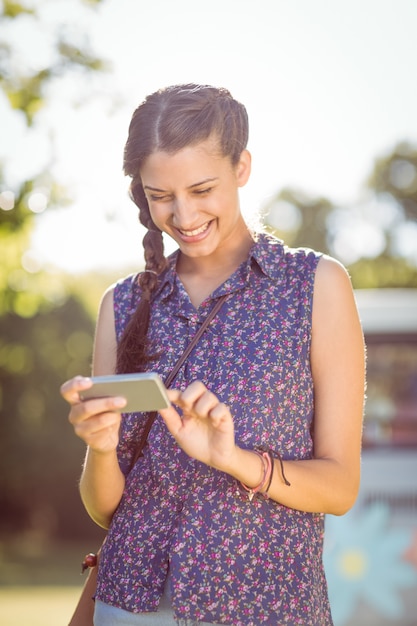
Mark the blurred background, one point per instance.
(332, 98)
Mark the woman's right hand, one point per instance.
(97, 421)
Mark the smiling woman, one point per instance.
(220, 519)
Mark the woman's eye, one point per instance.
(201, 192)
(158, 198)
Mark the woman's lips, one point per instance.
(196, 233)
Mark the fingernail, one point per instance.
(119, 402)
(84, 380)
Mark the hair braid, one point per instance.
(132, 350)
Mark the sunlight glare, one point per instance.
(7, 200)
(359, 239)
(38, 200)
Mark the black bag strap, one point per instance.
(171, 376)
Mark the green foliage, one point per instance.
(26, 93)
(25, 88)
(14, 9)
(22, 291)
(299, 219)
(77, 56)
(384, 272)
(40, 458)
(396, 175)
(45, 334)
(313, 222)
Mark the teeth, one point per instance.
(197, 231)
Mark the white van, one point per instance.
(371, 553)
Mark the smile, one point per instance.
(197, 231)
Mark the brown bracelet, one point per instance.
(266, 478)
(284, 478)
(272, 456)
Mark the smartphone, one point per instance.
(143, 392)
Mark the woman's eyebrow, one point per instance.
(154, 189)
(201, 182)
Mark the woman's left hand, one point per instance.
(205, 429)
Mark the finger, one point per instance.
(190, 396)
(82, 411)
(71, 388)
(97, 424)
(174, 395)
(100, 432)
(220, 414)
(172, 420)
(205, 404)
(196, 399)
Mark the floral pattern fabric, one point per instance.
(232, 561)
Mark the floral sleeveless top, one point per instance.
(232, 561)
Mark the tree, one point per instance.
(40, 458)
(299, 219)
(27, 82)
(45, 332)
(396, 175)
(375, 238)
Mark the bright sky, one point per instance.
(329, 86)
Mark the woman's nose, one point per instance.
(185, 213)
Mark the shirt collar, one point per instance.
(265, 253)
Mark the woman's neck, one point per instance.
(202, 275)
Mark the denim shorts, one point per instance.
(106, 615)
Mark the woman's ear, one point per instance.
(243, 168)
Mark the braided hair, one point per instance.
(169, 120)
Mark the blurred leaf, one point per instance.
(46, 334)
(309, 225)
(27, 92)
(14, 9)
(81, 57)
(26, 101)
(396, 174)
(40, 458)
(383, 272)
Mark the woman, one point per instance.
(222, 517)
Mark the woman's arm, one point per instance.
(329, 482)
(97, 423)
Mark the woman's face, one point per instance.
(193, 197)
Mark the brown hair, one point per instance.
(169, 120)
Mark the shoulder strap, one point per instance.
(171, 376)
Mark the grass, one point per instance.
(40, 582)
(37, 606)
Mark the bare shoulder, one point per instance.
(332, 280)
(333, 294)
(106, 309)
(105, 344)
(331, 272)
